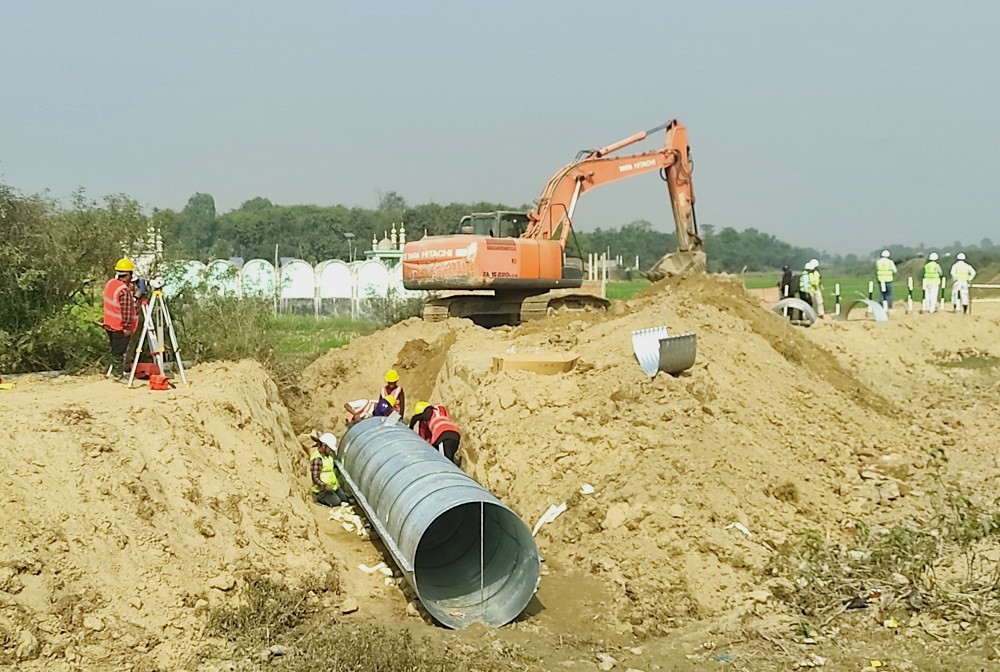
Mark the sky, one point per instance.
(844, 126)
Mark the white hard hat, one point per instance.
(329, 440)
(933, 256)
(960, 256)
(814, 262)
(885, 253)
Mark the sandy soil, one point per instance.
(129, 513)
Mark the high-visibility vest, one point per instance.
(396, 393)
(885, 270)
(438, 424)
(815, 281)
(961, 271)
(932, 271)
(329, 473)
(112, 304)
(804, 281)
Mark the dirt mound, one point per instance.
(127, 514)
(698, 478)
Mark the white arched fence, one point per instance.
(331, 287)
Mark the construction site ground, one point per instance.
(131, 517)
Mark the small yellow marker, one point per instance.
(891, 623)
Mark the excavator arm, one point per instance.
(553, 216)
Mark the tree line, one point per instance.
(315, 233)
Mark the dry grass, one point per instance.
(944, 565)
(273, 623)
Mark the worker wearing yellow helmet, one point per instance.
(434, 426)
(393, 390)
(121, 317)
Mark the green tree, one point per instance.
(53, 264)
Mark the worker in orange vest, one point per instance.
(121, 318)
(393, 390)
(436, 428)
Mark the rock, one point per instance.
(27, 646)
(204, 528)
(781, 587)
(633, 669)
(201, 604)
(10, 582)
(507, 398)
(278, 650)
(615, 517)
(761, 596)
(889, 491)
(899, 580)
(635, 651)
(412, 609)
(135, 602)
(93, 623)
(349, 606)
(224, 582)
(676, 510)
(606, 661)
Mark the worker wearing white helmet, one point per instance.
(815, 286)
(962, 273)
(323, 471)
(885, 274)
(932, 282)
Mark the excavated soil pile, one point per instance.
(128, 513)
(697, 478)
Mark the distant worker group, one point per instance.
(809, 284)
(432, 423)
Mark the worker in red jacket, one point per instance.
(121, 319)
(436, 428)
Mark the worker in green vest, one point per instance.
(816, 286)
(885, 274)
(962, 273)
(932, 282)
(323, 472)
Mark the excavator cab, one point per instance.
(499, 224)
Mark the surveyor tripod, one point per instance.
(156, 327)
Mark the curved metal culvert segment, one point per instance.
(468, 557)
(877, 309)
(657, 351)
(791, 303)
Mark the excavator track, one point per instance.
(509, 308)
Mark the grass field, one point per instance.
(851, 287)
(625, 289)
(303, 335)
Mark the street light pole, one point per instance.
(350, 245)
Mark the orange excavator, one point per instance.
(507, 267)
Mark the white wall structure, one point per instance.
(182, 275)
(333, 286)
(298, 281)
(334, 280)
(223, 276)
(372, 280)
(258, 278)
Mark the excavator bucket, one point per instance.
(658, 351)
(676, 263)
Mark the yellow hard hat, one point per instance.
(124, 265)
(420, 407)
(391, 376)
(391, 400)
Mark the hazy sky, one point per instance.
(842, 125)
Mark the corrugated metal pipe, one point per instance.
(467, 556)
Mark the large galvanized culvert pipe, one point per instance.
(467, 556)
